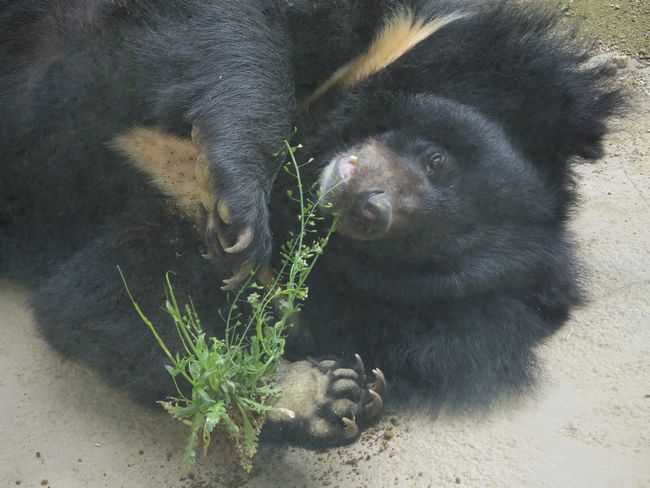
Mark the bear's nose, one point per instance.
(373, 208)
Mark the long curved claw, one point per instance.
(350, 428)
(233, 282)
(224, 212)
(379, 385)
(243, 241)
(373, 408)
(224, 244)
(359, 367)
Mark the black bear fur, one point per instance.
(451, 313)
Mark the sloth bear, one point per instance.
(451, 128)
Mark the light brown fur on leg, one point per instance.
(168, 161)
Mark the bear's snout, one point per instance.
(373, 210)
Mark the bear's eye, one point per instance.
(433, 161)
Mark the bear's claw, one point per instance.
(359, 366)
(379, 385)
(243, 241)
(224, 212)
(236, 279)
(350, 428)
(373, 408)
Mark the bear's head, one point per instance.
(425, 172)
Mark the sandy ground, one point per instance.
(588, 425)
(621, 25)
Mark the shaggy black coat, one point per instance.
(452, 312)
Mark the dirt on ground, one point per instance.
(621, 25)
(587, 426)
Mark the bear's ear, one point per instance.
(168, 161)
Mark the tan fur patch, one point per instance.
(402, 32)
(168, 161)
(180, 170)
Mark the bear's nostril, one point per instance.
(373, 207)
(371, 211)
